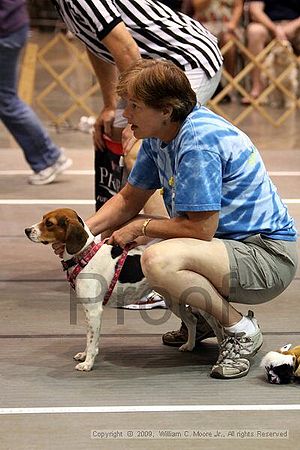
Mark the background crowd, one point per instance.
(254, 23)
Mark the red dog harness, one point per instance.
(81, 261)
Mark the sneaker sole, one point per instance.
(219, 376)
(161, 305)
(42, 182)
(50, 179)
(243, 374)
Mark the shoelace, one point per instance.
(152, 296)
(232, 346)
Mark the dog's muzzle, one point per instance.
(28, 232)
(33, 234)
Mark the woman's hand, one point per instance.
(103, 125)
(127, 234)
(231, 28)
(280, 33)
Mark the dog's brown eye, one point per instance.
(48, 223)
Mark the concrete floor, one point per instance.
(138, 386)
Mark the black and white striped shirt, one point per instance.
(159, 31)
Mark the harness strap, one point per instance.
(83, 260)
(80, 261)
(119, 267)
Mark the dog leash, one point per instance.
(119, 267)
(83, 260)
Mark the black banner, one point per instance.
(108, 176)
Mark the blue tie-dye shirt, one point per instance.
(213, 166)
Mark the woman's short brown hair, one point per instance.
(158, 84)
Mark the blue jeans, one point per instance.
(39, 151)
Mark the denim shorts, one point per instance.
(260, 268)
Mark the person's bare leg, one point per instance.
(230, 55)
(257, 38)
(197, 273)
(193, 272)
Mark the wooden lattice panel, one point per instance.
(63, 81)
(59, 79)
(260, 104)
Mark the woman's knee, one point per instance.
(155, 262)
(256, 32)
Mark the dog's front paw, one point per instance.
(80, 356)
(84, 367)
(186, 347)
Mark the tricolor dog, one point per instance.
(97, 272)
(282, 366)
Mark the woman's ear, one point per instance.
(167, 113)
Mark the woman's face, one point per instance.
(145, 122)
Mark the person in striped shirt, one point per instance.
(229, 237)
(117, 33)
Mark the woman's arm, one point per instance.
(237, 13)
(107, 76)
(125, 52)
(257, 14)
(121, 208)
(122, 47)
(198, 225)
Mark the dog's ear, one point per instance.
(80, 220)
(285, 348)
(76, 236)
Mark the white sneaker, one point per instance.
(86, 124)
(235, 352)
(150, 301)
(48, 175)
